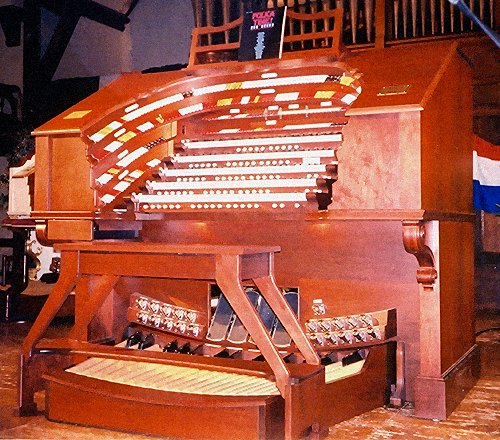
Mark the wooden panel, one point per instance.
(189, 294)
(309, 249)
(302, 410)
(437, 397)
(63, 230)
(456, 269)
(255, 266)
(158, 247)
(419, 159)
(149, 265)
(42, 176)
(379, 163)
(417, 66)
(164, 414)
(447, 140)
(69, 175)
(490, 224)
(365, 390)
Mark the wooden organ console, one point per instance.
(291, 245)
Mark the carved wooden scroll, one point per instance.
(414, 243)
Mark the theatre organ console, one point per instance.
(291, 245)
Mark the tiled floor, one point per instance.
(477, 417)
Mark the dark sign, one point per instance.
(262, 34)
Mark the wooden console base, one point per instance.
(365, 391)
(437, 397)
(133, 409)
(202, 416)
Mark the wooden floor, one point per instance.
(477, 417)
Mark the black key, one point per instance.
(185, 349)
(134, 339)
(326, 360)
(172, 347)
(352, 358)
(146, 342)
(223, 354)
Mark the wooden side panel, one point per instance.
(420, 159)
(379, 163)
(456, 268)
(71, 175)
(62, 178)
(303, 412)
(64, 230)
(42, 185)
(447, 140)
(364, 391)
(437, 397)
(448, 362)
